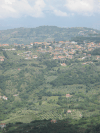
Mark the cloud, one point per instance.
(82, 6)
(18, 8)
(59, 13)
(36, 8)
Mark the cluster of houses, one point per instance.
(62, 49)
(12, 49)
(58, 50)
(66, 49)
(28, 55)
(3, 45)
(4, 97)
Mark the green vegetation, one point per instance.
(46, 33)
(84, 125)
(96, 52)
(78, 76)
(39, 87)
(33, 91)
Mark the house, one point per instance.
(2, 125)
(35, 42)
(69, 111)
(5, 44)
(53, 121)
(68, 95)
(38, 43)
(61, 42)
(84, 63)
(98, 57)
(2, 59)
(35, 56)
(13, 49)
(31, 44)
(61, 57)
(63, 64)
(5, 98)
(19, 69)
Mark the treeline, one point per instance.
(81, 39)
(84, 125)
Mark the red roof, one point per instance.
(3, 124)
(53, 121)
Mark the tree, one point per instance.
(5, 54)
(26, 48)
(40, 102)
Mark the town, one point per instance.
(61, 50)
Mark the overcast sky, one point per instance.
(62, 13)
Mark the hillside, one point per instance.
(43, 33)
(36, 86)
(57, 81)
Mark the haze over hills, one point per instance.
(44, 33)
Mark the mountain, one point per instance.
(43, 33)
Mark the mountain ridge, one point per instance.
(43, 33)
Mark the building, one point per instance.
(2, 125)
(68, 95)
(2, 59)
(5, 45)
(69, 111)
(5, 98)
(35, 56)
(53, 121)
(63, 64)
(31, 44)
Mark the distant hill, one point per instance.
(44, 33)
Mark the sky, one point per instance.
(61, 13)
